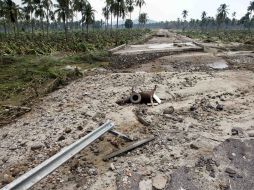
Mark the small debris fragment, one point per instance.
(62, 137)
(234, 132)
(230, 172)
(159, 181)
(5, 135)
(36, 146)
(194, 146)
(7, 179)
(80, 128)
(128, 148)
(145, 185)
(67, 130)
(251, 134)
(169, 110)
(112, 167)
(219, 107)
(125, 137)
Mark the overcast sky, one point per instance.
(162, 10)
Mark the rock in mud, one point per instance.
(5, 135)
(67, 130)
(145, 185)
(251, 134)
(159, 181)
(80, 128)
(112, 167)
(169, 110)
(194, 146)
(219, 107)
(36, 146)
(61, 138)
(230, 172)
(7, 179)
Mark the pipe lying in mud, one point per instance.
(39, 172)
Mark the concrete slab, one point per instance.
(158, 48)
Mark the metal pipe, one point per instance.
(28, 179)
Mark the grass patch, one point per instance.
(227, 36)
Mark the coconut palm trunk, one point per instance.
(111, 22)
(47, 22)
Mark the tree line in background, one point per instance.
(44, 15)
(220, 21)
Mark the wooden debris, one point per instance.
(128, 148)
(116, 133)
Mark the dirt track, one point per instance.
(191, 150)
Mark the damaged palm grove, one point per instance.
(169, 113)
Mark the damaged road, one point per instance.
(201, 108)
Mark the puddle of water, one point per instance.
(219, 65)
(161, 46)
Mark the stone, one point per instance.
(234, 132)
(169, 110)
(7, 179)
(62, 137)
(36, 146)
(112, 167)
(159, 181)
(4, 159)
(80, 128)
(145, 185)
(92, 171)
(251, 134)
(5, 135)
(219, 107)
(230, 172)
(194, 146)
(67, 130)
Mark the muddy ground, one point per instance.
(206, 143)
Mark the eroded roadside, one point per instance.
(190, 150)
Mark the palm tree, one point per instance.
(3, 14)
(119, 10)
(222, 14)
(203, 19)
(79, 6)
(105, 12)
(246, 20)
(140, 4)
(130, 6)
(47, 4)
(143, 18)
(233, 18)
(39, 12)
(185, 14)
(203, 15)
(62, 9)
(110, 10)
(89, 16)
(29, 9)
(251, 7)
(12, 13)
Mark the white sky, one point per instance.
(162, 10)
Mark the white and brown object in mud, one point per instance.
(144, 97)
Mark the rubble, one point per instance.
(200, 108)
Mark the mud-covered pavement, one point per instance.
(206, 143)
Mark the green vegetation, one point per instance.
(31, 67)
(240, 36)
(24, 43)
